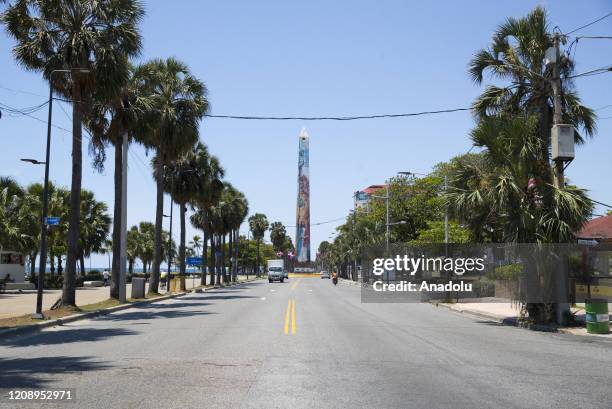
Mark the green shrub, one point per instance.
(507, 272)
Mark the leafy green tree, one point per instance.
(73, 35)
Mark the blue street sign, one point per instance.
(194, 261)
(52, 221)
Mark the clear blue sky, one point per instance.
(318, 58)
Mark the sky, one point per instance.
(316, 58)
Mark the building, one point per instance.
(600, 229)
(302, 224)
(12, 263)
(363, 197)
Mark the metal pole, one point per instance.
(123, 234)
(169, 246)
(562, 308)
(387, 213)
(446, 212)
(45, 211)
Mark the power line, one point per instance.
(589, 24)
(334, 118)
(596, 71)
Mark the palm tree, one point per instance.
(134, 247)
(186, 179)
(258, 223)
(208, 196)
(497, 196)
(278, 236)
(113, 116)
(516, 55)
(147, 246)
(95, 226)
(95, 36)
(179, 102)
(196, 244)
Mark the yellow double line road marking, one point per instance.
(290, 317)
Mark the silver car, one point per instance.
(276, 274)
(325, 274)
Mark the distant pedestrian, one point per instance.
(105, 274)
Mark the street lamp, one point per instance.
(43, 229)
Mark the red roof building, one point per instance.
(599, 228)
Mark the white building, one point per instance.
(12, 263)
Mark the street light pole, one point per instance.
(169, 247)
(387, 216)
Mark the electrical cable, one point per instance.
(589, 24)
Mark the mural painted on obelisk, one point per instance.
(302, 235)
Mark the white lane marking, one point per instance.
(263, 298)
(272, 290)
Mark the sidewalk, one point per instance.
(508, 313)
(13, 304)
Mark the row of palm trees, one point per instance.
(21, 212)
(85, 51)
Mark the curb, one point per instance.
(27, 329)
(513, 322)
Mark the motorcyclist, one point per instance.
(334, 277)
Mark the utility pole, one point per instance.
(562, 282)
(387, 200)
(123, 235)
(446, 212)
(558, 115)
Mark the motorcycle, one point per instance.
(335, 280)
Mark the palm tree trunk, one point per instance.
(204, 257)
(154, 280)
(33, 267)
(223, 261)
(182, 246)
(231, 254)
(68, 292)
(82, 263)
(258, 263)
(114, 284)
(144, 267)
(131, 266)
(212, 259)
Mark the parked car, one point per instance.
(325, 274)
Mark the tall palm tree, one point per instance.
(208, 196)
(112, 116)
(72, 35)
(258, 223)
(179, 102)
(186, 179)
(498, 199)
(516, 55)
(278, 236)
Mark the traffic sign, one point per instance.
(194, 261)
(52, 221)
(591, 242)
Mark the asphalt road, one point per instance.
(305, 344)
